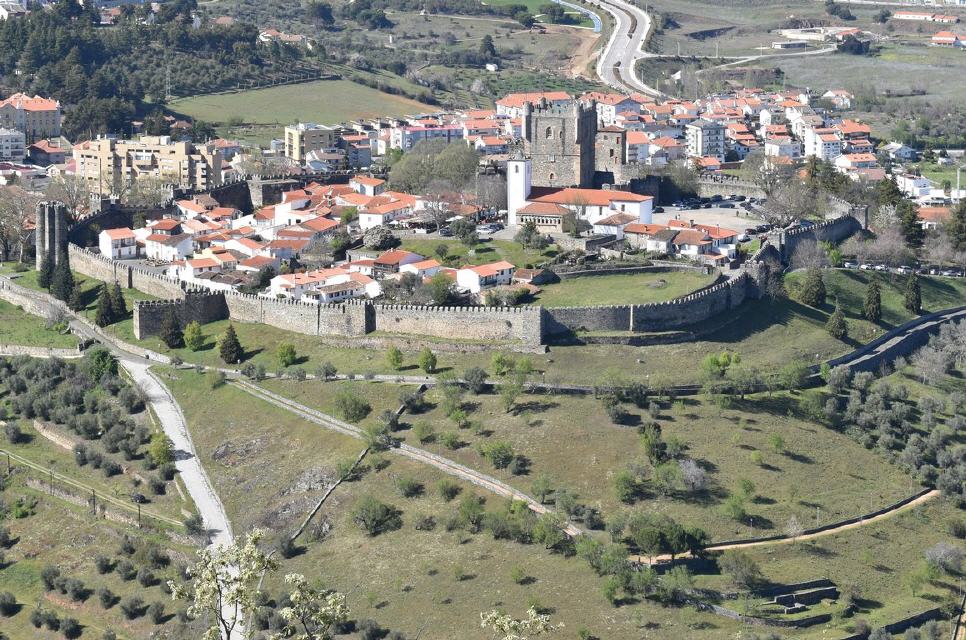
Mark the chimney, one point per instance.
(691, 224)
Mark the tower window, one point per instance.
(552, 176)
(549, 132)
(516, 169)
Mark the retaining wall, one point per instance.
(916, 620)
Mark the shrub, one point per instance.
(156, 612)
(448, 489)
(106, 597)
(409, 487)
(475, 379)
(146, 578)
(8, 604)
(37, 618)
(451, 440)
(375, 517)
(126, 570)
(75, 589)
(286, 354)
(350, 406)
(499, 453)
(424, 432)
(49, 576)
(133, 607)
(14, 434)
(103, 564)
(70, 628)
(194, 525)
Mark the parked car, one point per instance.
(739, 198)
(949, 273)
(865, 267)
(904, 269)
(849, 265)
(751, 231)
(658, 209)
(445, 232)
(716, 199)
(880, 267)
(726, 205)
(744, 237)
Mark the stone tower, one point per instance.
(559, 141)
(610, 154)
(50, 231)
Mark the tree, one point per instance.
(741, 568)
(223, 588)
(62, 283)
(104, 314)
(99, 362)
(475, 379)
(913, 296)
(812, 292)
(439, 288)
(542, 487)
(375, 517)
(229, 348)
(836, 325)
(17, 208)
(956, 226)
(118, 306)
(872, 308)
(194, 339)
(160, 449)
(427, 360)
(72, 190)
(311, 612)
(488, 49)
(793, 529)
(505, 627)
(46, 274)
(170, 332)
(394, 357)
(285, 354)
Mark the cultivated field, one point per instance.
(326, 101)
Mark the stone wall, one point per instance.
(350, 319)
(833, 231)
(154, 284)
(94, 265)
(195, 307)
(725, 185)
(522, 325)
(662, 316)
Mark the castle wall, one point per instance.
(833, 231)
(94, 265)
(504, 324)
(196, 307)
(301, 317)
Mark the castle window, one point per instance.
(611, 153)
(552, 176)
(549, 132)
(516, 169)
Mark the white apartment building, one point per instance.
(12, 145)
(705, 138)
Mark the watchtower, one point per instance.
(50, 231)
(559, 140)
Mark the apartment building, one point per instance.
(109, 165)
(705, 138)
(12, 145)
(305, 137)
(36, 117)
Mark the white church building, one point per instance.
(591, 205)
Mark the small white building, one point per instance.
(367, 185)
(117, 244)
(168, 248)
(913, 186)
(12, 145)
(485, 276)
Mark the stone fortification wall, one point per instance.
(195, 307)
(506, 324)
(829, 231)
(301, 317)
(98, 267)
(662, 316)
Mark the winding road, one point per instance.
(618, 59)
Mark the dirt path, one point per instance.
(583, 58)
(810, 536)
(420, 455)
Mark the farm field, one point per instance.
(325, 101)
(639, 288)
(66, 536)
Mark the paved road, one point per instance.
(618, 60)
(186, 460)
(420, 455)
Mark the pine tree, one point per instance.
(836, 326)
(46, 274)
(118, 306)
(76, 302)
(956, 226)
(394, 357)
(872, 309)
(229, 348)
(103, 316)
(171, 332)
(813, 288)
(913, 298)
(62, 284)
(194, 339)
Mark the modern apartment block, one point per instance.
(12, 145)
(305, 137)
(110, 165)
(705, 139)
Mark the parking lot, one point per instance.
(737, 219)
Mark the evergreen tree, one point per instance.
(194, 339)
(872, 309)
(912, 231)
(62, 284)
(118, 306)
(812, 292)
(76, 302)
(913, 298)
(229, 348)
(104, 315)
(171, 332)
(956, 227)
(46, 274)
(836, 326)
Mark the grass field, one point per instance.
(324, 102)
(720, 440)
(18, 327)
(639, 288)
(458, 254)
